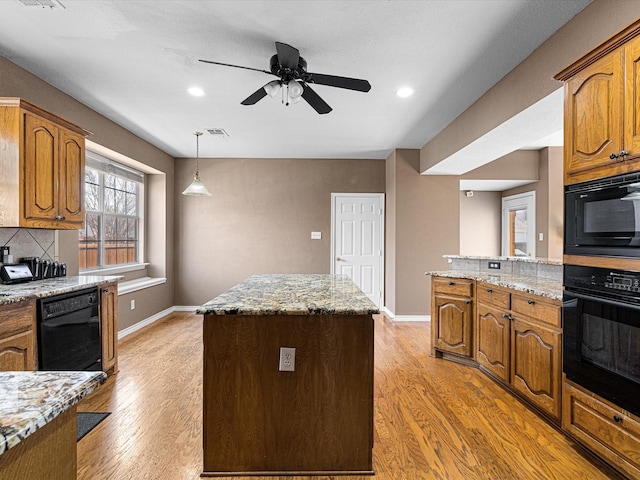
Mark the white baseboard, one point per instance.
(143, 323)
(405, 318)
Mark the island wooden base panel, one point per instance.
(47, 454)
(432, 419)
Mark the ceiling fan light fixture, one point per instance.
(272, 88)
(197, 188)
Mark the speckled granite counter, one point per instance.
(51, 286)
(543, 287)
(30, 400)
(313, 294)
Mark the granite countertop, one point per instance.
(543, 287)
(50, 286)
(30, 400)
(302, 294)
(544, 261)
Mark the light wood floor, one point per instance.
(434, 419)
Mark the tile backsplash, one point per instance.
(29, 242)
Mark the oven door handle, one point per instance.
(608, 301)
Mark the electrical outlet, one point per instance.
(133, 304)
(494, 265)
(287, 359)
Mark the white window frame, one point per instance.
(126, 267)
(526, 201)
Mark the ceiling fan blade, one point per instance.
(235, 66)
(288, 56)
(255, 96)
(313, 99)
(340, 82)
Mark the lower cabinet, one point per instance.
(604, 428)
(452, 316)
(520, 343)
(109, 327)
(18, 349)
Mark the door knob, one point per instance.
(338, 259)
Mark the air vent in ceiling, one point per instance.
(42, 3)
(217, 132)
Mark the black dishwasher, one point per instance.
(69, 331)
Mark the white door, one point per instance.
(357, 240)
(519, 225)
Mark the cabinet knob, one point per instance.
(452, 283)
(505, 315)
(622, 154)
(531, 302)
(617, 418)
(467, 302)
(489, 290)
(60, 217)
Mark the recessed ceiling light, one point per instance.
(196, 91)
(404, 92)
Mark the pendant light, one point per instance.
(197, 188)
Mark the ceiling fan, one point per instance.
(294, 80)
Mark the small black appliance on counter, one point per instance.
(15, 273)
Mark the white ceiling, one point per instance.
(132, 61)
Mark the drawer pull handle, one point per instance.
(531, 302)
(489, 290)
(452, 283)
(467, 302)
(617, 418)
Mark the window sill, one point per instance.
(139, 284)
(115, 270)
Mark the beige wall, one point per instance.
(549, 202)
(480, 221)
(17, 82)
(259, 218)
(390, 233)
(427, 211)
(532, 80)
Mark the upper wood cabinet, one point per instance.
(601, 115)
(43, 157)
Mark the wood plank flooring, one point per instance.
(434, 419)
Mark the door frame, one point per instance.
(527, 200)
(381, 196)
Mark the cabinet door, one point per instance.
(632, 98)
(109, 326)
(40, 171)
(594, 100)
(494, 331)
(452, 330)
(17, 352)
(71, 175)
(536, 369)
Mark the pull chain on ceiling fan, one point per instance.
(291, 69)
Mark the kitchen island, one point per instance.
(274, 412)
(38, 422)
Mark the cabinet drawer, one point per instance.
(490, 295)
(604, 429)
(453, 286)
(17, 317)
(534, 307)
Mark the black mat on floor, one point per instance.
(87, 421)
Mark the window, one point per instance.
(519, 225)
(113, 203)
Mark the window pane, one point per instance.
(111, 231)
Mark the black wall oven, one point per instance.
(601, 334)
(602, 217)
(69, 331)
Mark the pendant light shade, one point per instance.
(197, 188)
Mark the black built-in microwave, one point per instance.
(602, 217)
